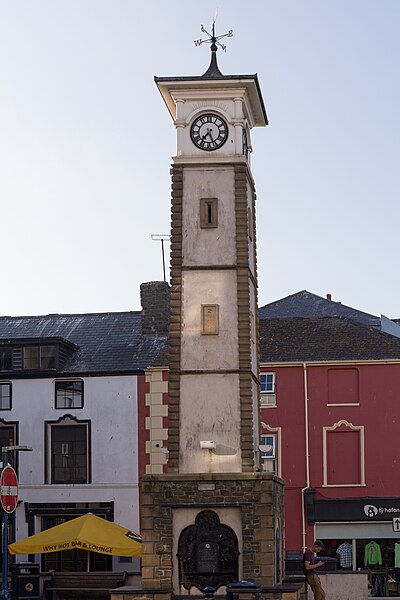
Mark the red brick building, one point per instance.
(330, 398)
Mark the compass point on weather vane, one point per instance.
(214, 41)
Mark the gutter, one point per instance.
(307, 457)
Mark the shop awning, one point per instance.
(87, 532)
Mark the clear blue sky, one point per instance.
(86, 141)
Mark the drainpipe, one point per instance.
(303, 508)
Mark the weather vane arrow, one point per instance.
(212, 38)
(213, 70)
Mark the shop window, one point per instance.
(343, 387)
(268, 389)
(341, 550)
(343, 453)
(5, 396)
(368, 552)
(376, 553)
(68, 451)
(69, 394)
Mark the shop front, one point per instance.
(362, 534)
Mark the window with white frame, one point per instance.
(268, 389)
(268, 446)
(268, 453)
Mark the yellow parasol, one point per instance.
(87, 532)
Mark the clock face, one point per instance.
(209, 132)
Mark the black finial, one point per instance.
(213, 70)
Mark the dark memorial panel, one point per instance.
(207, 553)
(207, 557)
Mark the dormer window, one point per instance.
(5, 359)
(32, 354)
(40, 357)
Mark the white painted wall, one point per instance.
(210, 410)
(110, 404)
(190, 109)
(215, 246)
(209, 351)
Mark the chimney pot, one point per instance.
(329, 297)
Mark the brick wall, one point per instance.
(155, 301)
(259, 497)
(155, 423)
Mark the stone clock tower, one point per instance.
(214, 483)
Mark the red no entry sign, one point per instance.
(8, 489)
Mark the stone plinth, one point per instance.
(251, 504)
(345, 584)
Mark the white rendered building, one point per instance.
(69, 389)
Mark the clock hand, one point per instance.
(209, 131)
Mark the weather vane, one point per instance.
(212, 38)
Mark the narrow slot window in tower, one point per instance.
(208, 213)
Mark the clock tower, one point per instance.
(215, 516)
(213, 391)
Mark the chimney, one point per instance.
(155, 301)
(329, 297)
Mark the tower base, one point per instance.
(190, 524)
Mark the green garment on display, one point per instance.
(372, 554)
(397, 555)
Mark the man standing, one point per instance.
(310, 565)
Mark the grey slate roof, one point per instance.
(306, 304)
(298, 339)
(108, 342)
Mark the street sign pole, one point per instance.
(5, 592)
(8, 501)
(4, 525)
